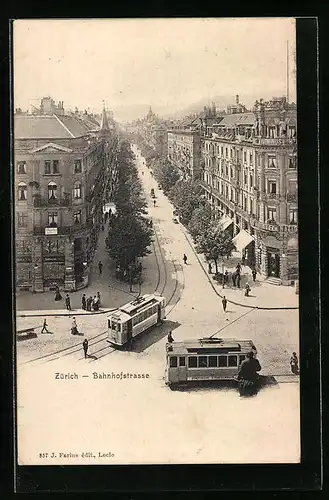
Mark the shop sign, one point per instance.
(23, 259)
(59, 259)
(51, 230)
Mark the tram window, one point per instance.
(173, 362)
(125, 327)
(212, 361)
(232, 361)
(182, 361)
(192, 362)
(222, 361)
(203, 362)
(242, 358)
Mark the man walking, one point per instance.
(254, 274)
(85, 345)
(234, 279)
(100, 267)
(74, 328)
(83, 302)
(89, 302)
(44, 327)
(238, 280)
(68, 302)
(294, 364)
(170, 338)
(185, 259)
(224, 302)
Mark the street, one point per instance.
(209, 424)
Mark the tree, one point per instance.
(186, 196)
(200, 221)
(215, 243)
(166, 174)
(129, 238)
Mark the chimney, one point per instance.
(237, 99)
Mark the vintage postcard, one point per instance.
(156, 241)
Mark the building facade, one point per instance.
(184, 151)
(250, 178)
(63, 173)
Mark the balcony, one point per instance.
(41, 201)
(272, 196)
(273, 226)
(274, 141)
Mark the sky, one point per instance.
(168, 64)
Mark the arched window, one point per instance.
(77, 190)
(22, 191)
(52, 191)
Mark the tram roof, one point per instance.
(133, 307)
(209, 345)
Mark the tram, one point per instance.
(134, 318)
(205, 359)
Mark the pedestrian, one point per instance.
(238, 280)
(209, 268)
(83, 302)
(103, 227)
(74, 328)
(44, 327)
(100, 267)
(247, 290)
(243, 259)
(234, 276)
(248, 377)
(99, 299)
(238, 267)
(68, 302)
(57, 294)
(94, 303)
(154, 202)
(226, 277)
(89, 302)
(294, 364)
(254, 273)
(224, 302)
(85, 345)
(170, 338)
(185, 259)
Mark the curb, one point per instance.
(91, 313)
(284, 308)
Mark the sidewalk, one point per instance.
(263, 295)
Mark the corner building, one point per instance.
(63, 173)
(250, 179)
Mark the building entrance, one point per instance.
(273, 264)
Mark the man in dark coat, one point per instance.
(83, 302)
(254, 273)
(238, 280)
(249, 368)
(100, 267)
(89, 302)
(68, 302)
(170, 338)
(234, 279)
(85, 345)
(44, 327)
(224, 302)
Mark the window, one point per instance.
(271, 131)
(222, 361)
(232, 361)
(245, 203)
(52, 191)
(244, 156)
(55, 167)
(251, 207)
(231, 173)
(203, 362)
(182, 361)
(21, 167)
(22, 191)
(292, 132)
(292, 162)
(77, 166)
(245, 179)
(52, 219)
(271, 162)
(22, 220)
(47, 167)
(226, 170)
(226, 191)
(271, 213)
(212, 361)
(251, 180)
(293, 214)
(192, 362)
(272, 187)
(226, 152)
(77, 190)
(173, 361)
(250, 158)
(77, 217)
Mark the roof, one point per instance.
(210, 345)
(48, 127)
(238, 119)
(125, 312)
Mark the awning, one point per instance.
(225, 221)
(242, 239)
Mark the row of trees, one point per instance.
(129, 233)
(193, 209)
